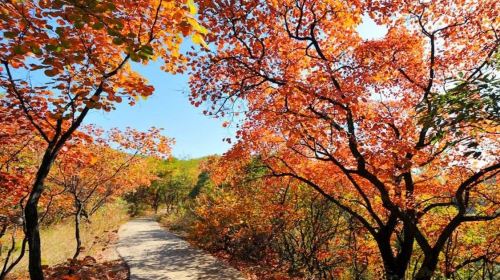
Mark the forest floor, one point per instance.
(154, 253)
(98, 260)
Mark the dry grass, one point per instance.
(180, 221)
(58, 241)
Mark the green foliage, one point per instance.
(468, 103)
(176, 182)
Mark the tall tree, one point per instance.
(60, 59)
(360, 120)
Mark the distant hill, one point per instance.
(188, 167)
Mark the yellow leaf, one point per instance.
(192, 7)
(198, 39)
(196, 26)
(175, 53)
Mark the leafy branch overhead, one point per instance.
(60, 59)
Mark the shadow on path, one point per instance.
(153, 253)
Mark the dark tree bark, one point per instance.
(156, 202)
(78, 215)
(31, 215)
(428, 267)
(395, 267)
(7, 268)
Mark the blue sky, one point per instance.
(196, 135)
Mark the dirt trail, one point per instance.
(155, 254)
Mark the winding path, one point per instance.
(155, 254)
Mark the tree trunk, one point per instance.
(78, 215)
(156, 203)
(8, 268)
(394, 267)
(33, 234)
(428, 266)
(431, 257)
(31, 216)
(393, 270)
